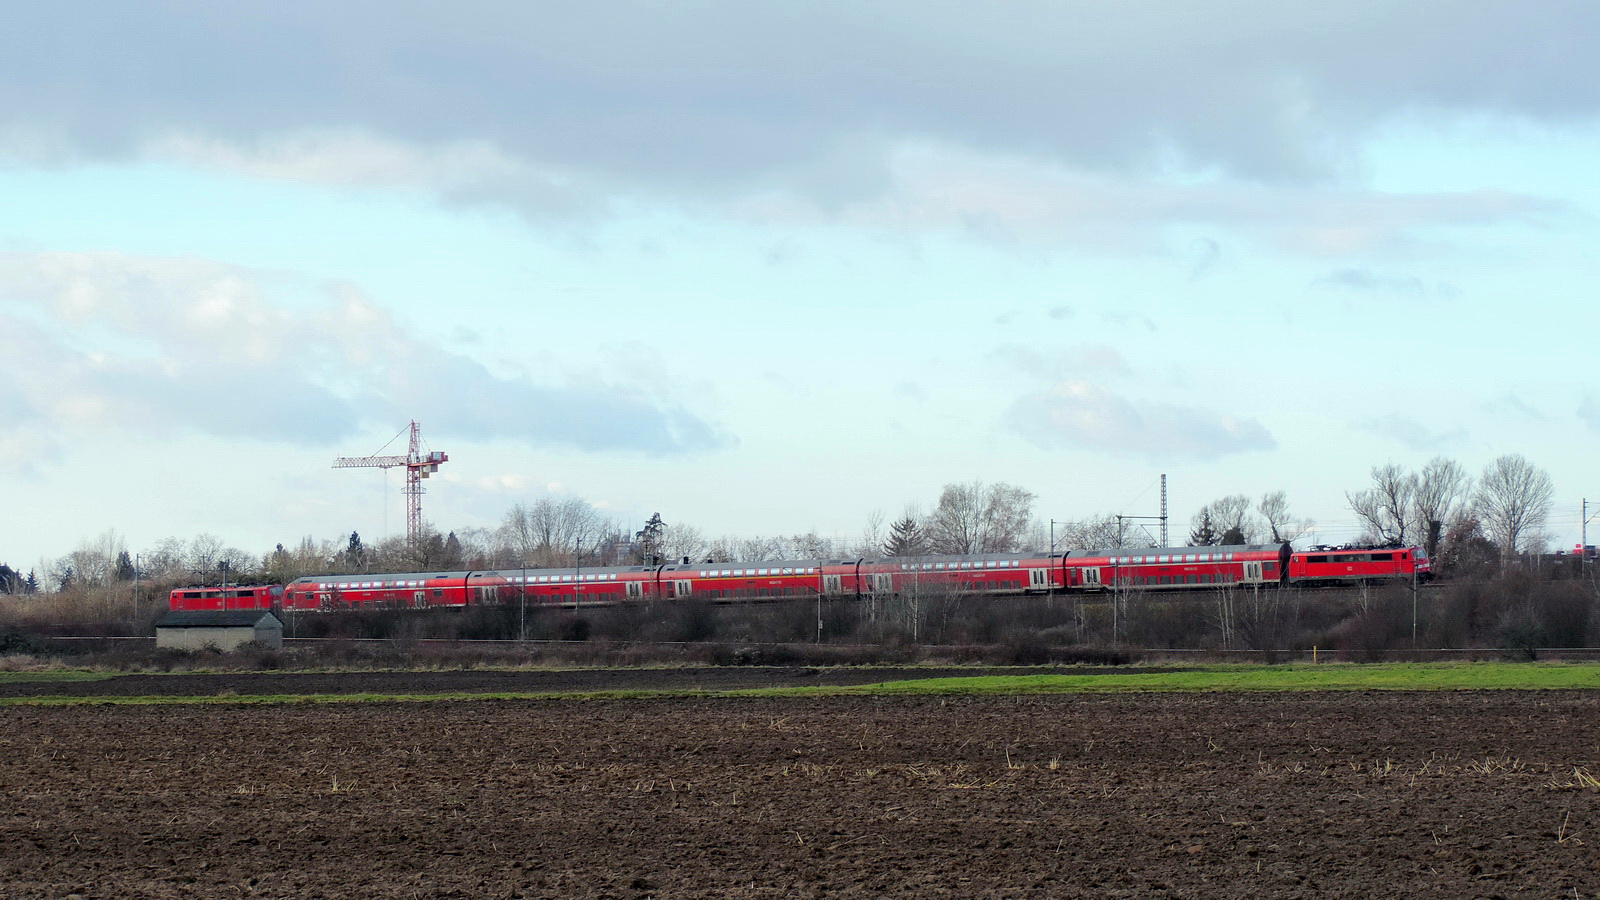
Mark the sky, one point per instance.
(771, 268)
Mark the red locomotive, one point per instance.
(1156, 569)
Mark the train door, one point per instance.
(635, 590)
(1252, 571)
(883, 583)
(1039, 578)
(419, 599)
(1091, 578)
(682, 588)
(832, 584)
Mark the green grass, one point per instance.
(54, 675)
(1289, 678)
(1327, 677)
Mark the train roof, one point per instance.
(1171, 551)
(510, 572)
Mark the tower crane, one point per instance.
(417, 465)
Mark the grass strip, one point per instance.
(67, 675)
(1290, 678)
(1287, 678)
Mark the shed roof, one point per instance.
(215, 618)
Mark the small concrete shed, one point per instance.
(222, 629)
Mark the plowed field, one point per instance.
(1149, 795)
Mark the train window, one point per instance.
(1190, 558)
(438, 592)
(1316, 559)
(966, 565)
(1382, 557)
(1270, 567)
(939, 566)
(992, 564)
(1228, 557)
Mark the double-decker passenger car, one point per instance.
(1176, 568)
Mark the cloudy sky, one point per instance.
(766, 268)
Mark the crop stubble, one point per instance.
(1185, 795)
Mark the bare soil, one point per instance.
(1152, 795)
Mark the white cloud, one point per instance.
(1414, 434)
(343, 158)
(1083, 414)
(568, 107)
(156, 344)
(1589, 412)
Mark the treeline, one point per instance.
(1467, 524)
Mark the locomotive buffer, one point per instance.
(417, 465)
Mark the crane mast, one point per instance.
(417, 465)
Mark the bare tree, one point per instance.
(1283, 527)
(1230, 519)
(1513, 501)
(979, 518)
(1441, 499)
(552, 532)
(95, 559)
(165, 560)
(1097, 532)
(1387, 507)
(679, 541)
(205, 552)
(807, 546)
(870, 544)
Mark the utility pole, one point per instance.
(1164, 541)
(1165, 538)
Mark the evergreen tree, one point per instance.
(906, 539)
(1204, 533)
(452, 552)
(355, 555)
(31, 585)
(124, 568)
(648, 540)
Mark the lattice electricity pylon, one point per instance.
(417, 466)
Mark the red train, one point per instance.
(1166, 569)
